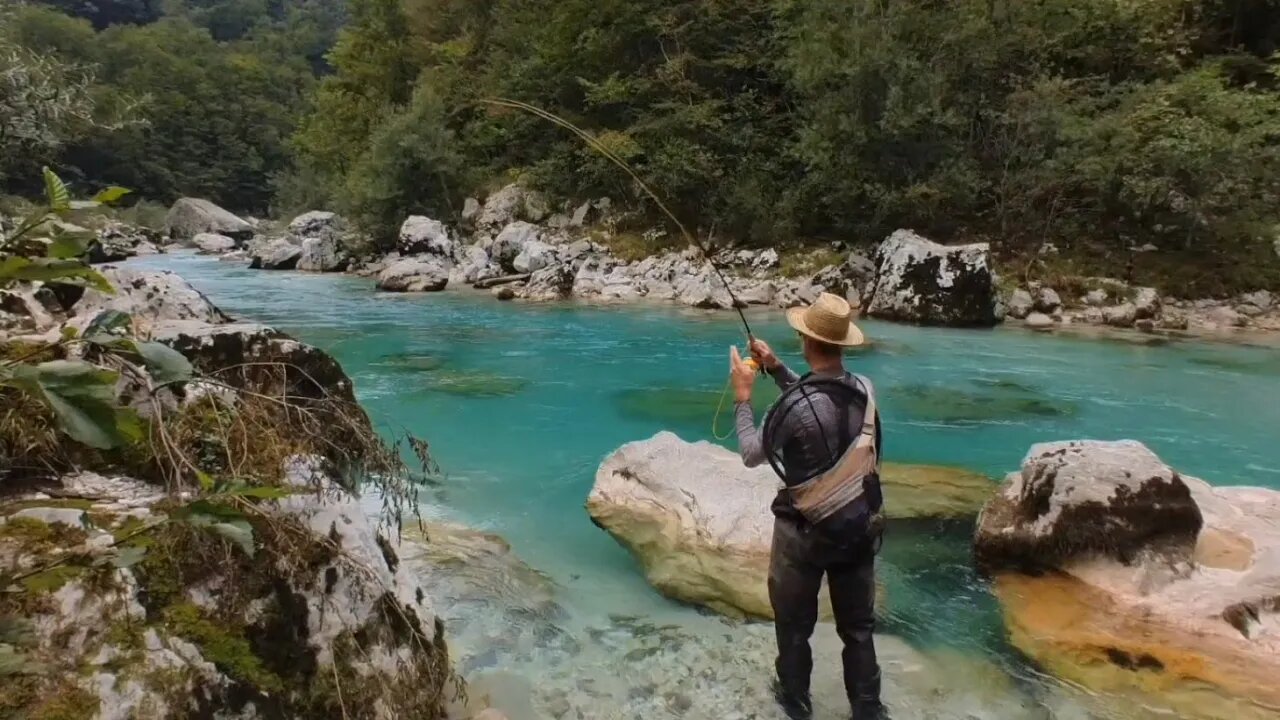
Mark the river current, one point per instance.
(520, 403)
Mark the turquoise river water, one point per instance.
(521, 403)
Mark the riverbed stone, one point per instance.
(148, 297)
(1020, 304)
(322, 254)
(699, 521)
(1096, 297)
(509, 243)
(1047, 301)
(1039, 321)
(275, 254)
(1146, 303)
(1145, 579)
(191, 216)
(421, 235)
(213, 243)
(1121, 315)
(318, 223)
(1262, 299)
(554, 282)
(534, 255)
(421, 273)
(924, 282)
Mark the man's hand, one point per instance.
(742, 375)
(763, 354)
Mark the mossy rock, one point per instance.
(932, 491)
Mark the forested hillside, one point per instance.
(1096, 126)
(195, 97)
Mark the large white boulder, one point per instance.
(1020, 304)
(511, 203)
(322, 254)
(420, 235)
(534, 256)
(317, 223)
(1117, 572)
(147, 296)
(512, 241)
(191, 216)
(924, 282)
(699, 520)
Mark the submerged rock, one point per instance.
(191, 216)
(1144, 579)
(699, 521)
(924, 282)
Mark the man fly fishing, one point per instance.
(822, 437)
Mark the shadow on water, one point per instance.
(998, 400)
(475, 384)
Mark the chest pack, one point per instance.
(844, 497)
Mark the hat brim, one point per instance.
(852, 338)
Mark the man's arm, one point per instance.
(783, 376)
(750, 439)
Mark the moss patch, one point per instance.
(68, 703)
(38, 537)
(225, 647)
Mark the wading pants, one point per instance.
(800, 557)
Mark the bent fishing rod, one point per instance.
(599, 147)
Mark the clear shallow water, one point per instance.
(521, 402)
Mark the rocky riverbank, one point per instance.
(514, 245)
(1113, 570)
(217, 563)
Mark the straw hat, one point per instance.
(829, 319)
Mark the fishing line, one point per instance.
(601, 148)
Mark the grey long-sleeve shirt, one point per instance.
(808, 436)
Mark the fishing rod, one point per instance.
(600, 147)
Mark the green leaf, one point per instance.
(165, 364)
(55, 192)
(110, 194)
(69, 332)
(108, 322)
(239, 532)
(14, 662)
(206, 481)
(74, 272)
(82, 397)
(66, 244)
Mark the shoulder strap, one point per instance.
(869, 414)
